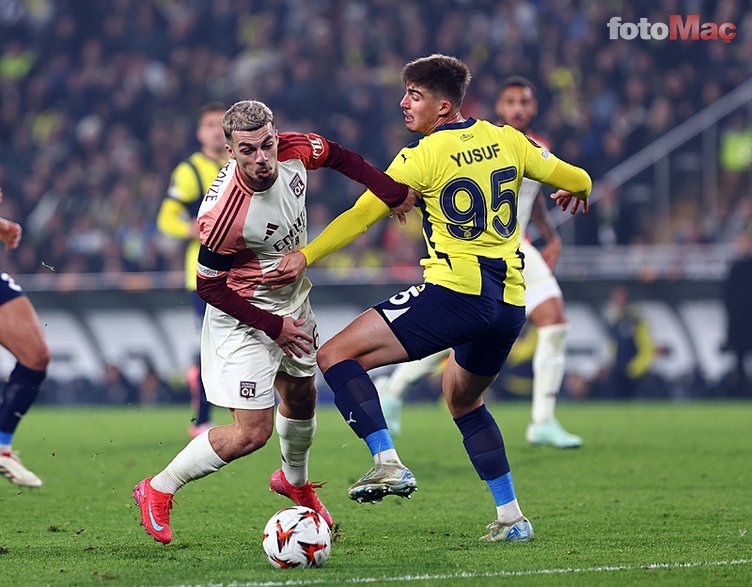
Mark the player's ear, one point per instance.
(230, 152)
(445, 108)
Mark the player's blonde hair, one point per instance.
(246, 115)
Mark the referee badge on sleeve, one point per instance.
(247, 389)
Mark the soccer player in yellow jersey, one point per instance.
(516, 106)
(177, 218)
(473, 299)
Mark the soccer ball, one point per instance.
(297, 537)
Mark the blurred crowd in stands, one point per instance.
(98, 102)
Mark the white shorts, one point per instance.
(540, 283)
(239, 364)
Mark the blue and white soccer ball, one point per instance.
(297, 537)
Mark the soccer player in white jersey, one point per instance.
(256, 340)
(516, 106)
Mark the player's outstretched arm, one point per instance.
(563, 199)
(339, 233)
(574, 186)
(394, 194)
(289, 269)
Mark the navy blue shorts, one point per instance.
(429, 318)
(9, 289)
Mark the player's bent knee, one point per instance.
(327, 356)
(549, 313)
(35, 357)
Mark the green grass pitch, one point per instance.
(659, 494)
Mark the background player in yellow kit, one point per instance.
(177, 218)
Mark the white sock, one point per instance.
(406, 374)
(295, 439)
(509, 512)
(389, 454)
(548, 370)
(5, 448)
(196, 460)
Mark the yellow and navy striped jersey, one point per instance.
(469, 174)
(188, 184)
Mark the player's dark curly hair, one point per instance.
(516, 81)
(444, 76)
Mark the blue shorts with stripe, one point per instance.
(429, 318)
(9, 289)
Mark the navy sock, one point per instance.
(356, 398)
(19, 393)
(483, 443)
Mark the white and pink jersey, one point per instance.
(259, 228)
(526, 195)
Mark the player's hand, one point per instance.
(10, 233)
(407, 205)
(551, 252)
(563, 198)
(292, 340)
(289, 269)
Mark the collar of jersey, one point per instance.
(456, 125)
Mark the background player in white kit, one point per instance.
(255, 339)
(516, 106)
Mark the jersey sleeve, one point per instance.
(538, 161)
(543, 166)
(573, 179)
(220, 233)
(310, 148)
(406, 168)
(173, 219)
(346, 227)
(184, 185)
(213, 265)
(174, 216)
